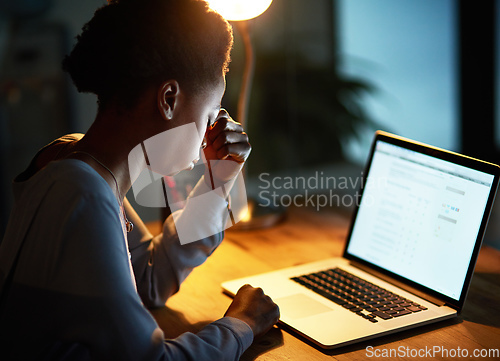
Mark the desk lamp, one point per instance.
(238, 11)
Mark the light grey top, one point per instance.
(72, 294)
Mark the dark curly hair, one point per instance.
(131, 44)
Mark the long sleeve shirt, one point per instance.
(70, 289)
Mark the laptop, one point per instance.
(409, 255)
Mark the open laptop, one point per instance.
(410, 253)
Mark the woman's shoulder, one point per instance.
(47, 154)
(76, 175)
(67, 180)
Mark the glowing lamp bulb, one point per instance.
(238, 10)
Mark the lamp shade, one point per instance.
(238, 10)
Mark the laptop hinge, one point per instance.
(400, 284)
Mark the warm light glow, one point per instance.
(246, 214)
(237, 10)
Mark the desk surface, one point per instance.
(308, 236)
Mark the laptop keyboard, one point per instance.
(357, 295)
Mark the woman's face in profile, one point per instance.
(209, 104)
(203, 110)
(178, 148)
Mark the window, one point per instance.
(408, 51)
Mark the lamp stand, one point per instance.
(258, 216)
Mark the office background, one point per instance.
(328, 73)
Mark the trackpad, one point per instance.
(300, 306)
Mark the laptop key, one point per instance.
(382, 315)
(333, 298)
(402, 313)
(414, 309)
(349, 306)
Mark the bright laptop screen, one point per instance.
(419, 217)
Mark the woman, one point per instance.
(75, 274)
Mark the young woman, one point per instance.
(75, 275)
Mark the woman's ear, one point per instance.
(168, 98)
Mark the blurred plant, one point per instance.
(302, 115)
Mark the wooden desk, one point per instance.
(307, 236)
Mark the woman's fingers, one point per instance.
(238, 152)
(227, 137)
(227, 140)
(224, 123)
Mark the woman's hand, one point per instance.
(227, 148)
(254, 308)
(227, 140)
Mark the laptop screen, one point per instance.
(419, 217)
